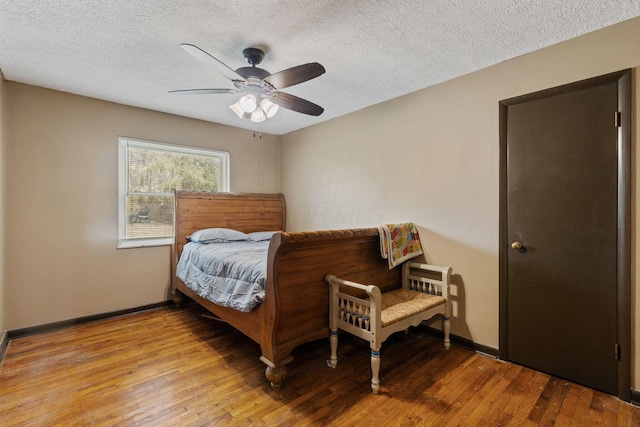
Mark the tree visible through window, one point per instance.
(148, 174)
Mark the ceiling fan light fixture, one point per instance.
(270, 109)
(258, 115)
(258, 87)
(237, 109)
(248, 103)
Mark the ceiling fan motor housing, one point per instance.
(248, 73)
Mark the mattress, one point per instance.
(230, 274)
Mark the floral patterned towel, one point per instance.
(399, 242)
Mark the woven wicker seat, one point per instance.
(424, 294)
(401, 303)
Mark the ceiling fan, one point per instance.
(261, 89)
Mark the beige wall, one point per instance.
(61, 201)
(2, 126)
(432, 157)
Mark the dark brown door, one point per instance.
(561, 232)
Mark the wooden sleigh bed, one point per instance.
(295, 309)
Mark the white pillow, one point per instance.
(217, 235)
(259, 236)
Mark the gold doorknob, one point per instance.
(516, 245)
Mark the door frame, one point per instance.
(624, 237)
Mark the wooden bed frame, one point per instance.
(295, 309)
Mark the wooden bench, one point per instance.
(373, 317)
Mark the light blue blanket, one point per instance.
(229, 274)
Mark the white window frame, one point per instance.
(123, 143)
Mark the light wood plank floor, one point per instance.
(174, 367)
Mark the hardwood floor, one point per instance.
(174, 367)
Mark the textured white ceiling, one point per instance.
(127, 51)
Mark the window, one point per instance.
(147, 174)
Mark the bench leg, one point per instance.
(446, 327)
(375, 371)
(333, 341)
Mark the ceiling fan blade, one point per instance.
(209, 60)
(293, 76)
(203, 91)
(294, 103)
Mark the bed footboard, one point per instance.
(297, 301)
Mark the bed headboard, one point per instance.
(246, 212)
